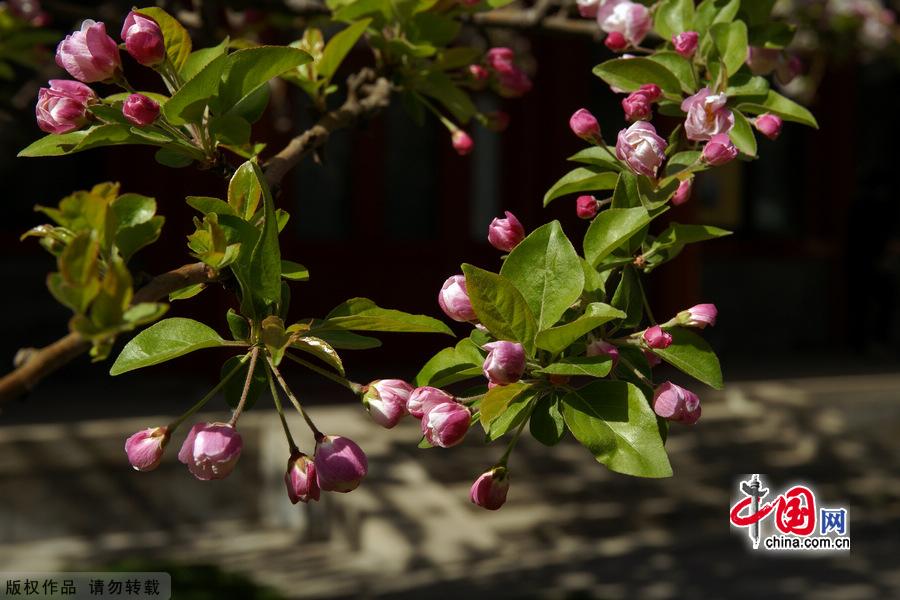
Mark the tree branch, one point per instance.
(367, 94)
(538, 17)
(33, 364)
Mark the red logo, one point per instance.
(795, 511)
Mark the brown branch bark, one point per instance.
(367, 94)
(33, 364)
(538, 17)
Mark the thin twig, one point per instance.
(287, 432)
(316, 433)
(249, 380)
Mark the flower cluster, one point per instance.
(90, 56)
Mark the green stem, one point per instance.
(287, 432)
(644, 299)
(254, 354)
(316, 433)
(174, 424)
(350, 385)
(512, 443)
(635, 370)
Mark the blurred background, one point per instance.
(807, 290)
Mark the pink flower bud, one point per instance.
(422, 399)
(89, 54)
(63, 107)
(657, 338)
(652, 359)
(651, 91)
(454, 299)
(513, 84)
(505, 362)
(211, 450)
(145, 448)
(586, 207)
(497, 121)
(478, 73)
(706, 115)
(386, 399)
(500, 59)
(505, 234)
(462, 143)
(698, 316)
(140, 110)
(616, 42)
(340, 464)
(143, 39)
(446, 424)
(762, 61)
(641, 149)
(585, 125)
(769, 125)
(29, 10)
(588, 8)
(683, 193)
(686, 43)
(629, 19)
(675, 403)
(300, 479)
(719, 150)
(490, 489)
(597, 347)
(637, 107)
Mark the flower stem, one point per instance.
(174, 424)
(254, 354)
(350, 385)
(644, 299)
(315, 431)
(280, 409)
(635, 370)
(512, 443)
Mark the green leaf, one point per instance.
(321, 350)
(557, 339)
(233, 389)
(715, 11)
(680, 67)
(631, 73)
(361, 314)
(628, 297)
(588, 366)
(610, 229)
(338, 47)
(451, 365)
(742, 135)
(582, 179)
(783, 107)
(207, 205)
(673, 17)
(497, 399)
(244, 191)
(53, 145)
(500, 306)
(614, 421)
(439, 86)
(599, 156)
(681, 161)
(546, 269)
(248, 69)
(132, 238)
(512, 417)
(173, 157)
(187, 292)
(676, 234)
(346, 340)
(294, 271)
(731, 42)
(176, 37)
(748, 86)
(198, 59)
(164, 341)
(627, 193)
(547, 424)
(188, 104)
(690, 353)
